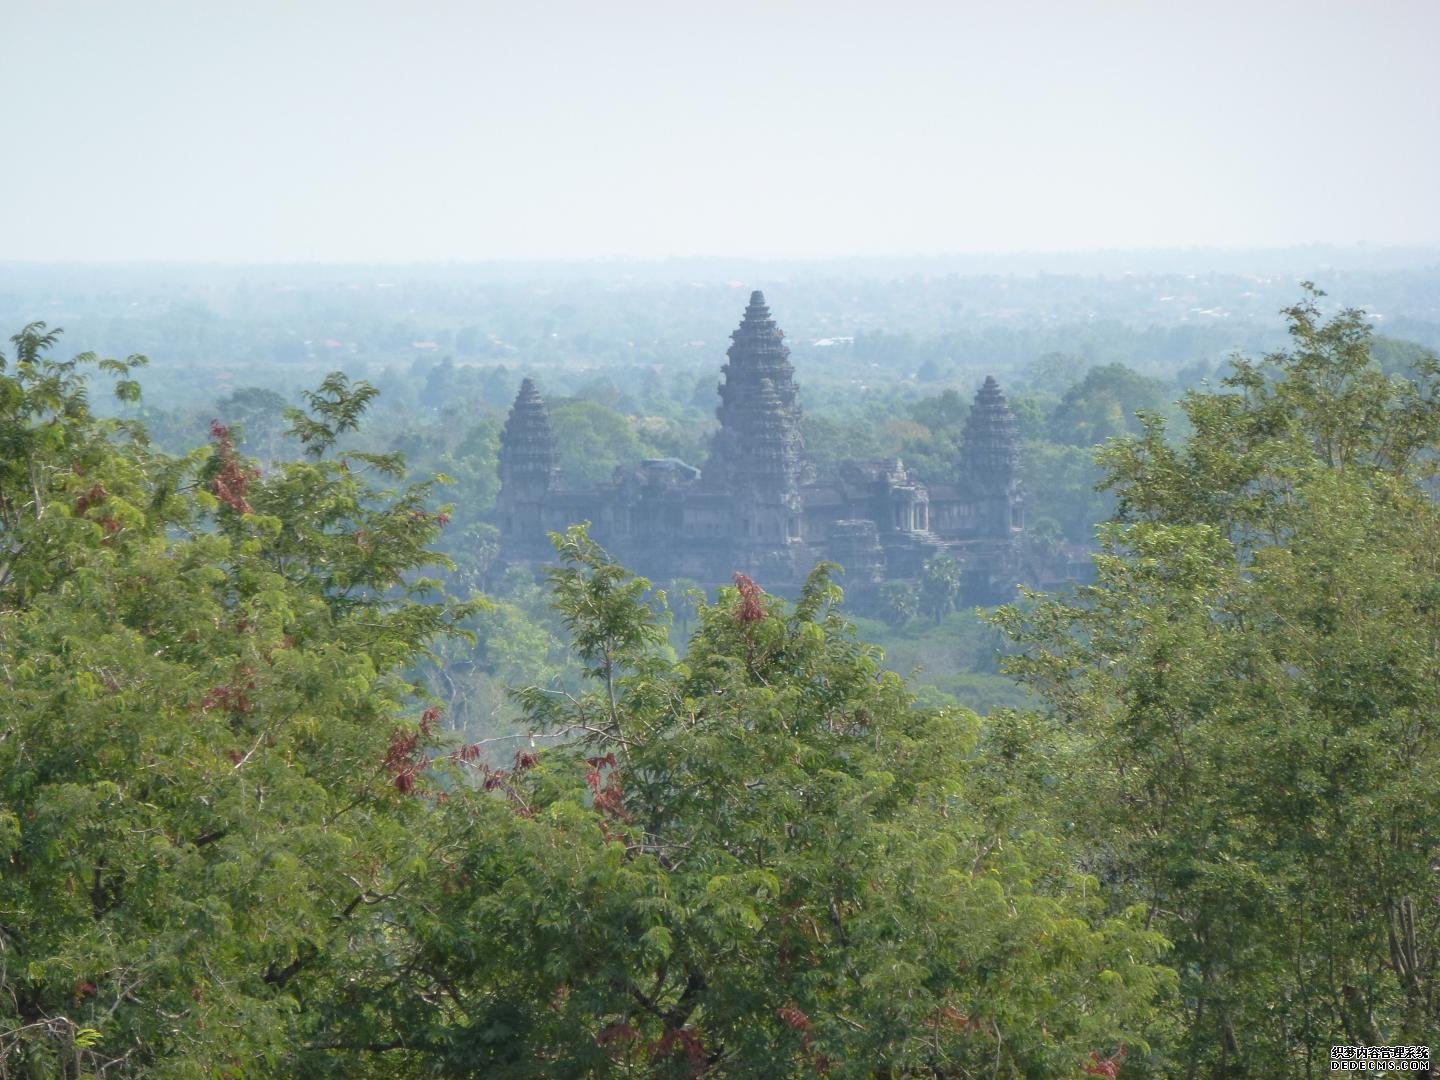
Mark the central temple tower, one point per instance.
(758, 455)
(991, 462)
(529, 472)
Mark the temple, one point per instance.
(756, 505)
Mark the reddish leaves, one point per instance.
(617, 1033)
(402, 761)
(1109, 1067)
(609, 792)
(465, 754)
(796, 1019)
(96, 495)
(232, 697)
(232, 480)
(953, 1018)
(685, 1040)
(750, 609)
(610, 799)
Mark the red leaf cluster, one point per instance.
(953, 1018)
(465, 754)
(609, 793)
(502, 780)
(750, 609)
(233, 479)
(795, 1018)
(232, 697)
(402, 760)
(1109, 1067)
(617, 1033)
(96, 495)
(442, 519)
(686, 1040)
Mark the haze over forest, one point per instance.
(746, 540)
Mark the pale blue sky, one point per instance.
(342, 130)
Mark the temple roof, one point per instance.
(527, 444)
(758, 448)
(992, 435)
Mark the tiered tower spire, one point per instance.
(758, 448)
(991, 459)
(529, 458)
(529, 470)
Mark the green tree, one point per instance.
(940, 587)
(205, 740)
(594, 439)
(257, 415)
(763, 861)
(1061, 483)
(896, 603)
(1105, 404)
(830, 442)
(1243, 709)
(943, 412)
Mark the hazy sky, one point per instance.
(340, 130)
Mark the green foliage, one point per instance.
(1397, 357)
(258, 414)
(61, 492)
(895, 603)
(594, 440)
(762, 861)
(1061, 485)
(235, 842)
(335, 408)
(199, 769)
(1106, 404)
(829, 442)
(940, 587)
(955, 661)
(1242, 722)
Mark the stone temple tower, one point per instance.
(529, 471)
(990, 462)
(758, 455)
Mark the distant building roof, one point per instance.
(673, 463)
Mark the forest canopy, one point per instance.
(239, 836)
